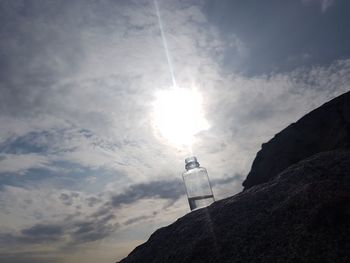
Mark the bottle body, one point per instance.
(198, 187)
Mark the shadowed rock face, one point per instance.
(325, 128)
(301, 215)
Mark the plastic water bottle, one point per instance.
(197, 184)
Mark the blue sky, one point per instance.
(84, 173)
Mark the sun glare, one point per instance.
(178, 115)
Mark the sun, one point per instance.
(178, 115)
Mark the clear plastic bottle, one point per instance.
(197, 184)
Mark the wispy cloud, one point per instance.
(42, 233)
(324, 4)
(20, 163)
(171, 189)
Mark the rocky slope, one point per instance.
(296, 211)
(325, 128)
(302, 215)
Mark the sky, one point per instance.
(96, 109)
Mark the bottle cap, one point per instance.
(191, 162)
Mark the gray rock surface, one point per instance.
(301, 215)
(323, 129)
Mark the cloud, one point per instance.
(29, 257)
(92, 201)
(92, 230)
(269, 46)
(135, 220)
(20, 163)
(42, 233)
(36, 234)
(226, 180)
(78, 233)
(30, 205)
(324, 4)
(33, 142)
(170, 189)
(73, 227)
(68, 199)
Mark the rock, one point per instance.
(324, 129)
(301, 215)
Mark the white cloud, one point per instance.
(20, 163)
